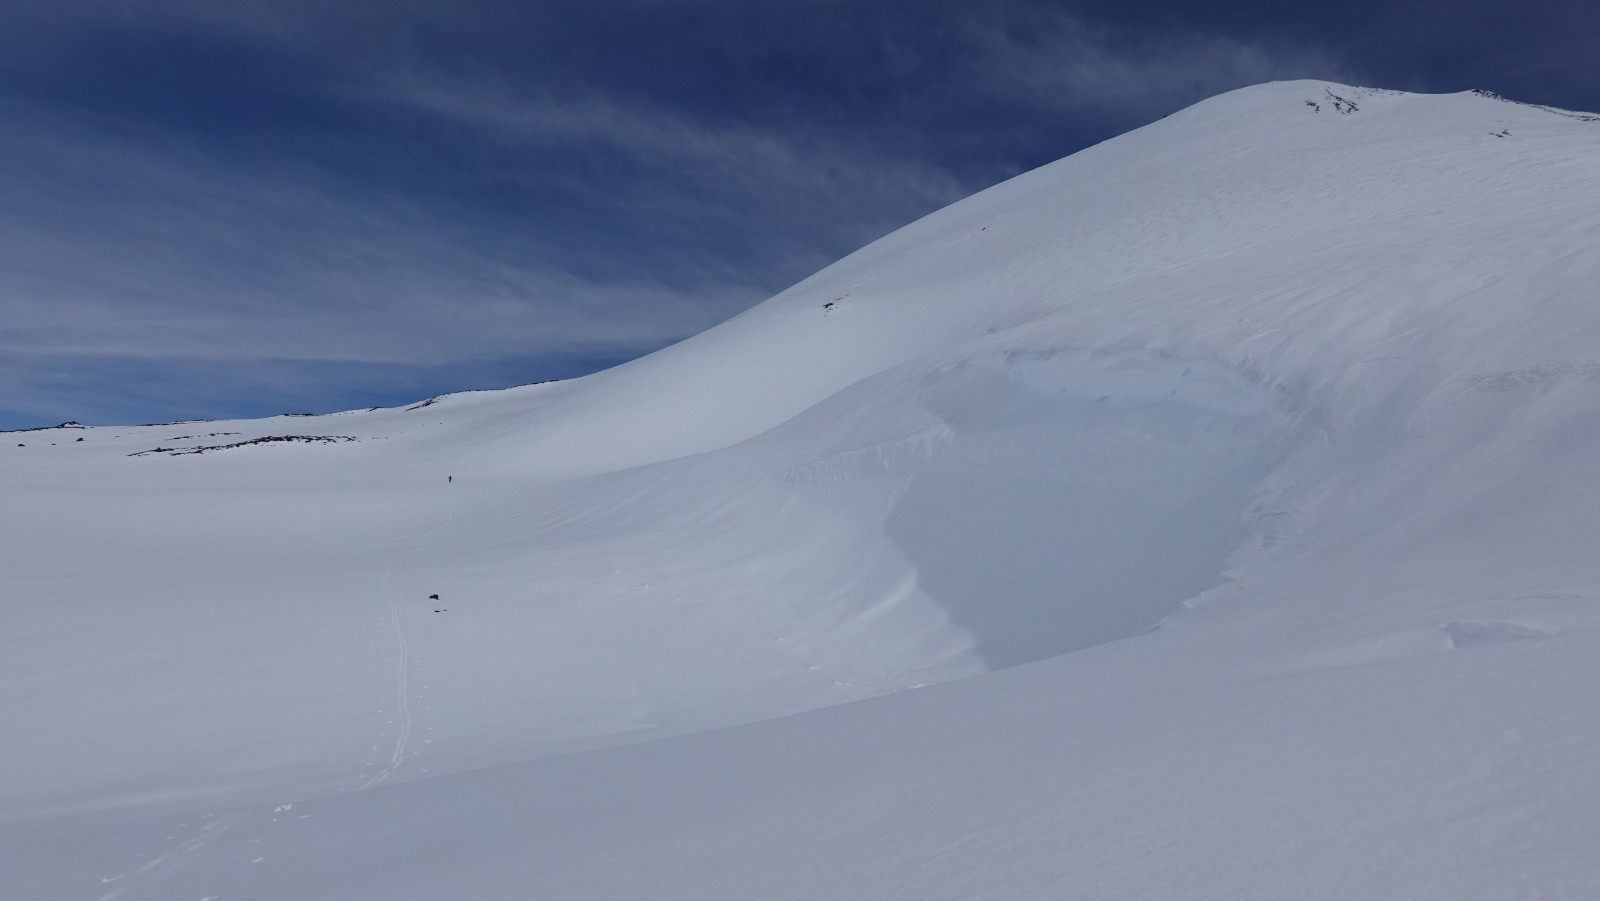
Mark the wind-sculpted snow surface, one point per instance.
(1226, 490)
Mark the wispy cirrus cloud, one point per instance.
(133, 248)
(123, 258)
(812, 190)
(1056, 61)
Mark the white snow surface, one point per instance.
(1228, 493)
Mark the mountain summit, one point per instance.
(1227, 490)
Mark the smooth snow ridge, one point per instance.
(1264, 433)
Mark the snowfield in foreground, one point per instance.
(1228, 492)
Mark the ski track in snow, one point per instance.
(146, 882)
(402, 692)
(403, 714)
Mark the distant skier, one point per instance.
(449, 479)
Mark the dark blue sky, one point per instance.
(217, 209)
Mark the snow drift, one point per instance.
(1266, 433)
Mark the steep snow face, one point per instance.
(1304, 375)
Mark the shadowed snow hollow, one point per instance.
(1077, 501)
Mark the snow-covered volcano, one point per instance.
(1267, 436)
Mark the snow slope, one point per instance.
(1231, 487)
